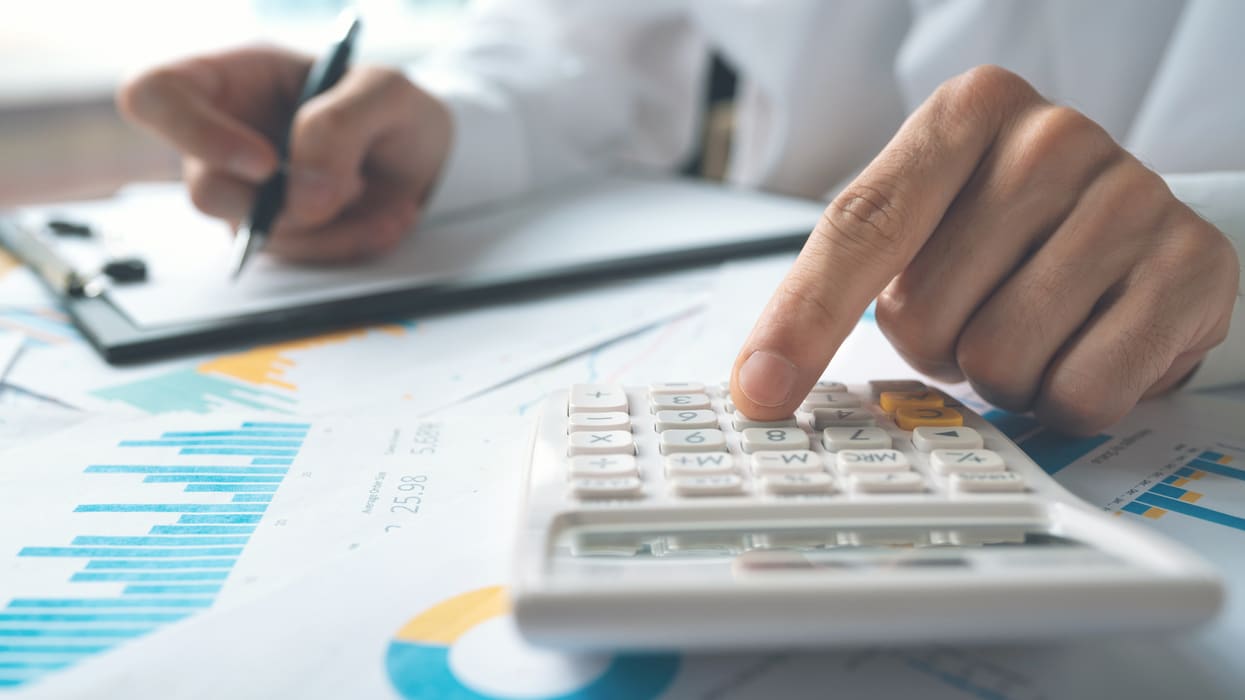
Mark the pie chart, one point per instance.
(466, 648)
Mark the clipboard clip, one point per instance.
(59, 274)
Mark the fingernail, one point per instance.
(767, 379)
(249, 166)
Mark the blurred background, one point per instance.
(62, 60)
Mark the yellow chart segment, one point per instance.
(268, 364)
(443, 624)
(7, 262)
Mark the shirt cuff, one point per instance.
(1220, 199)
(486, 160)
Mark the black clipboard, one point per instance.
(120, 340)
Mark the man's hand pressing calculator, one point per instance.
(661, 517)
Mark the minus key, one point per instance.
(609, 420)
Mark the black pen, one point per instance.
(324, 74)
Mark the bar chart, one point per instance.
(198, 497)
(1202, 488)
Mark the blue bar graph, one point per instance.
(176, 589)
(174, 565)
(212, 442)
(1217, 468)
(161, 564)
(209, 488)
(202, 529)
(218, 519)
(210, 479)
(278, 426)
(241, 451)
(174, 469)
(1196, 511)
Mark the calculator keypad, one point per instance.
(680, 440)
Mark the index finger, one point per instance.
(866, 236)
(179, 103)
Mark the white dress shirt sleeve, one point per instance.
(545, 90)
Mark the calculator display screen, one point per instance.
(829, 549)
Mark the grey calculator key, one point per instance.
(865, 438)
(871, 461)
(711, 485)
(699, 464)
(928, 437)
(765, 439)
(612, 487)
(602, 466)
(842, 417)
(988, 482)
(678, 402)
(701, 440)
(601, 442)
(830, 399)
(785, 484)
(607, 420)
(786, 462)
(741, 422)
(671, 420)
(728, 406)
(676, 388)
(963, 461)
(889, 482)
(829, 386)
(595, 398)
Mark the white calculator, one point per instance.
(660, 517)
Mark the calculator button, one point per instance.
(670, 420)
(873, 461)
(891, 401)
(710, 485)
(909, 418)
(784, 484)
(963, 461)
(889, 482)
(615, 487)
(676, 388)
(758, 439)
(927, 438)
(728, 406)
(595, 398)
(841, 417)
(609, 420)
(741, 422)
(618, 442)
(988, 482)
(601, 466)
(703, 440)
(679, 402)
(829, 399)
(700, 464)
(835, 439)
(786, 462)
(829, 386)
(878, 386)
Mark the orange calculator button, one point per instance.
(909, 417)
(891, 401)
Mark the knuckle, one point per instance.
(1071, 401)
(991, 373)
(1056, 134)
(915, 334)
(983, 89)
(865, 222)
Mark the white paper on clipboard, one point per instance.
(581, 226)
